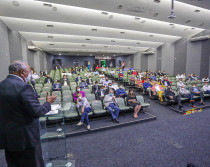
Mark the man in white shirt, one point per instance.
(83, 104)
(205, 79)
(114, 85)
(35, 76)
(178, 76)
(206, 88)
(180, 83)
(186, 93)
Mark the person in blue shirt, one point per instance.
(153, 77)
(146, 85)
(78, 79)
(121, 92)
(196, 91)
(89, 66)
(83, 84)
(57, 86)
(131, 68)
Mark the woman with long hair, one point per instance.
(132, 101)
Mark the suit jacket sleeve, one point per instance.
(31, 103)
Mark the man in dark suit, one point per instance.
(95, 87)
(19, 118)
(57, 86)
(100, 94)
(65, 81)
(89, 81)
(48, 79)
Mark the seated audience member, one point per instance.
(134, 72)
(35, 75)
(132, 79)
(206, 88)
(169, 93)
(110, 104)
(42, 74)
(139, 83)
(205, 79)
(146, 86)
(153, 77)
(131, 68)
(83, 84)
(45, 72)
(166, 83)
(194, 78)
(112, 72)
(180, 83)
(85, 108)
(106, 82)
(186, 94)
(95, 87)
(57, 86)
(158, 89)
(100, 94)
(87, 74)
(97, 67)
(78, 91)
(110, 87)
(196, 91)
(102, 75)
(102, 80)
(103, 68)
(114, 85)
(96, 72)
(188, 78)
(65, 81)
(183, 76)
(48, 79)
(89, 80)
(121, 75)
(178, 76)
(132, 101)
(78, 79)
(121, 92)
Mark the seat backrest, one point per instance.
(68, 98)
(96, 105)
(87, 91)
(46, 89)
(140, 98)
(43, 94)
(120, 101)
(67, 92)
(58, 93)
(73, 107)
(90, 97)
(65, 87)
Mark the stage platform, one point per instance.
(97, 125)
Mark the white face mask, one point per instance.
(78, 90)
(80, 97)
(28, 78)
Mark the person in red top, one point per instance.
(134, 72)
(121, 74)
(97, 67)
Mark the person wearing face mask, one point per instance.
(158, 89)
(206, 88)
(114, 85)
(132, 101)
(35, 75)
(65, 81)
(89, 81)
(57, 86)
(20, 111)
(95, 87)
(110, 104)
(83, 84)
(110, 87)
(78, 79)
(121, 92)
(48, 79)
(85, 108)
(196, 91)
(78, 91)
(186, 94)
(101, 93)
(106, 82)
(180, 83)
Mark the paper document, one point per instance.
(54, 109)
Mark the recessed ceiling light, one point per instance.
(138, 43)
(157, 1)
(51, 44)
(120, 7)
(122, 32)
(156, 14)
(50, 25)
(88, 39)
(137, 18)
(60, 54)
(197, 11)
(105, 13)
(143, 21)
(113, 55)
(77, 54)
(83, 45)
(47, 4)
(188, 21)
(201, 24)
(186, 29)
(50, 37)
(94, 29)
(151, 35)
(91, 54)
(15, 3)
(113, 41)
(54, 8)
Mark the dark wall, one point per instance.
(205, 57)
(180, 56)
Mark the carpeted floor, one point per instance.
(173, 140)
